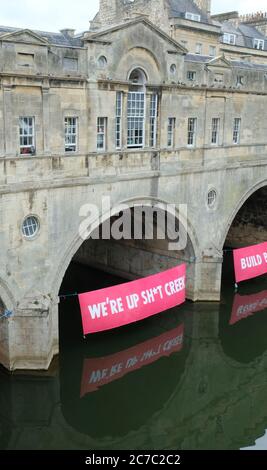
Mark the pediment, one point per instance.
(219, 62)
(108, 35)
(24, 36)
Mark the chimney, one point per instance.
(68, 32)
(204, 6)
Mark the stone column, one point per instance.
(9, 135)
(208, 273)
(46, 123)
(32, 335)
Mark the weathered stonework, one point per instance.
(53, 184)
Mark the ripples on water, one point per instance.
(191, 378)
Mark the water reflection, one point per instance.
(102, 371)
(198, 381)
(247, 305)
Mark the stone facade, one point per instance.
(56, 155)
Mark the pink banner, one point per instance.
(247, 305)
(250, 262)
(102, 371)
(120, 305)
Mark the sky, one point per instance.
(53, 15)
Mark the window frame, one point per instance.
(215, 131)
(171, 132)
(229, 38)
(153, 120)
(192, 132)
(257, 42)
(102, 133)
(214, 49)
(136, 116)
(199, 48)
(192, 16)
(194, 75)
(236, 131)
(29, 136)
(71, 122)
(118, 121)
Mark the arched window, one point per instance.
(136, 109)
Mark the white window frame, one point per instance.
(170, 132)
(258, 44)
(192, 16)
(192, 132)
(191, 75)
(237, 131)
(118, 131)
(27, 135)
(153, 119)
(199, 48)
(212, 51)
(229, 38)
(101, 132)
(136, 108)
(215, 131)
(71, 134)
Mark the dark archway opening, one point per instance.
(249, 227)
(126, 404)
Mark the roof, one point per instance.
(178, 8)
(57, 39)
(203, 59)
(245, 34)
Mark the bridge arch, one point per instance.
(192, 248)
(238, 207)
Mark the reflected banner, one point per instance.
(247, 305)
(102, 371)
(127, 303)
(250, 262)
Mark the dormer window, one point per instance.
(192, 16)
(258, 44)
(229, 38)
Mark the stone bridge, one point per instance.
(55, 188)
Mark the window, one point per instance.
(136, 119)
(192, 128)
(170, 135)
(118, 119)
(153, 119)
(173, 69)
(215, 126)
(212, 51)
(191, 75)
(101, 133)
(27, 135)
(30, 226)
(212, 197)
(71, 132)
(240, 80)
(70, 64)
(229, 38)
(102, 62)
(25, 60)
(236, 133)
(198, 48)
(258, 44)
(192, 16)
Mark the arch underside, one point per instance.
(249, 226)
